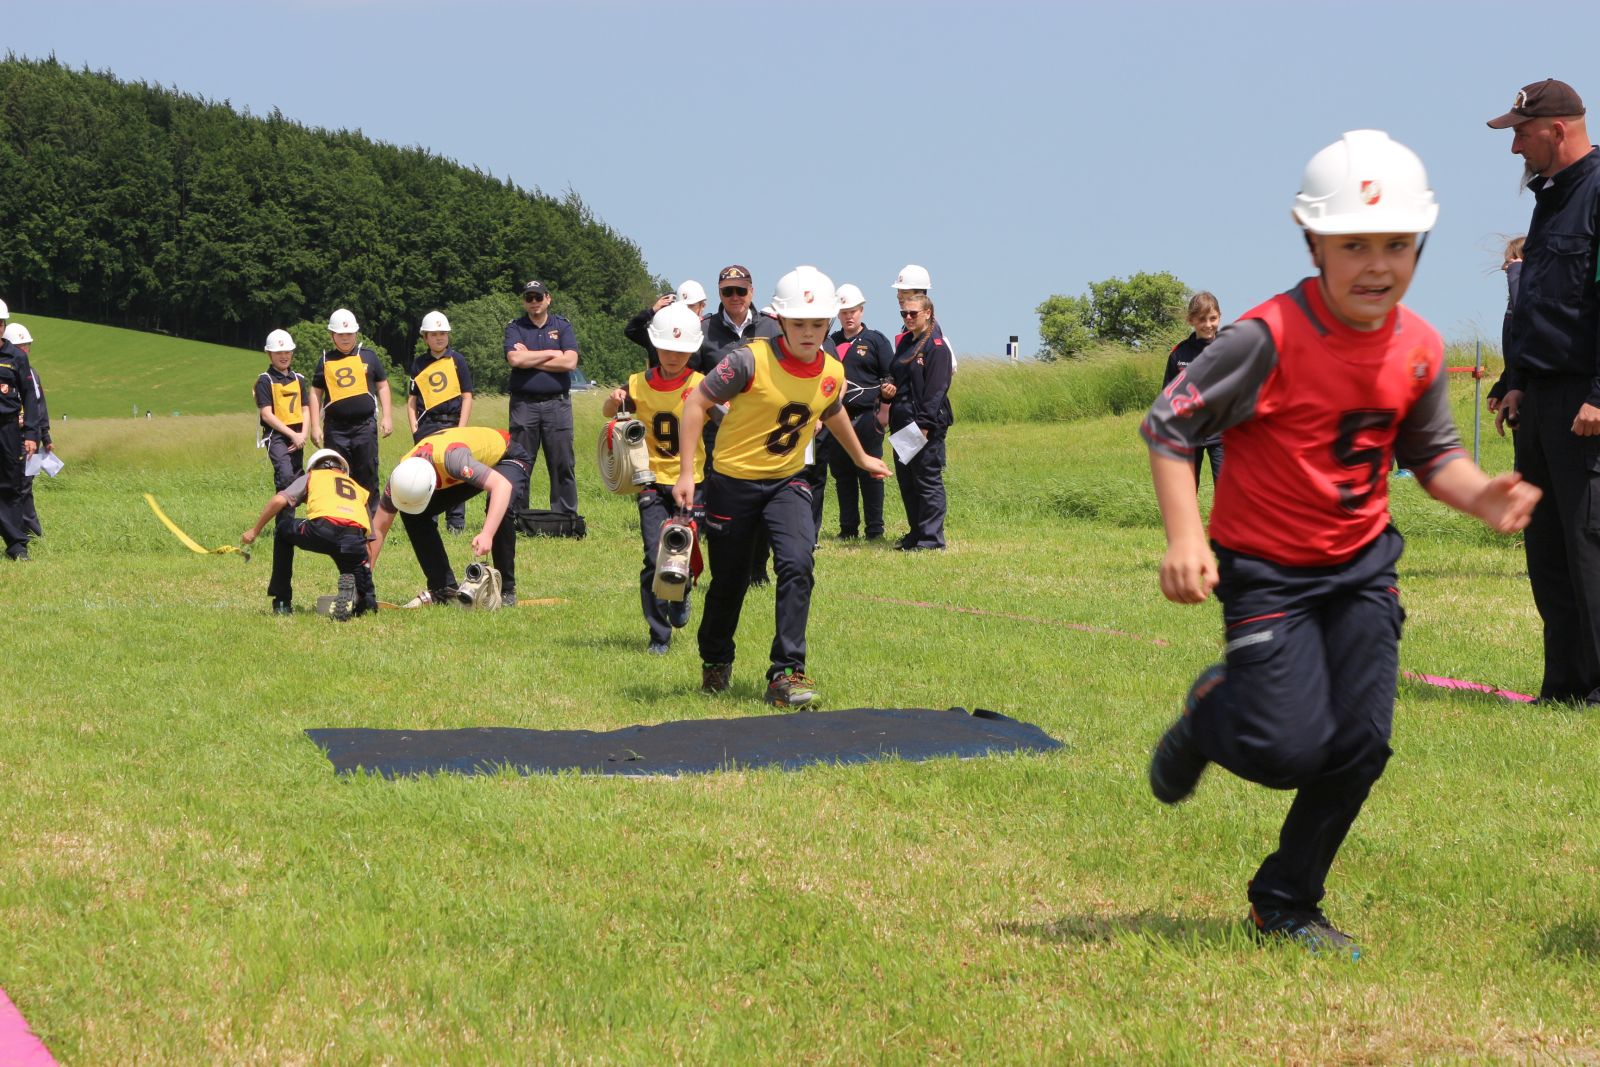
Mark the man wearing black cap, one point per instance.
(1553, 381)
(543, 353)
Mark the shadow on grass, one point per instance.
(1575, 939)
(1175, 930)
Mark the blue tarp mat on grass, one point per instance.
(688, 746)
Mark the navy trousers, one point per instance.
(1313, 655)
(347, 545)
(1563, 539)
(655, 508)
(737, 511)
(922, 491)
(286, 464)
(547, 424)
(358, 444)
(13, 464)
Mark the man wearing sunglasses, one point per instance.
(543, 352)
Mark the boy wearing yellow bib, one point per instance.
(775, 391)
(440, 397)
(350, 401)
(657, 397)
(449, 468)
(280, 397)
(336, 524)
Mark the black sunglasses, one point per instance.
(734, 290)
(910, 314)
(534, 298)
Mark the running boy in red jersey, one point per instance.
(1314, 392)
(775, 391)
(657, 396)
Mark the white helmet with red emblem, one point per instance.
(1365, 183)
(805, 293)
(676, 328)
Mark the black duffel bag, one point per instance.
(536, 522)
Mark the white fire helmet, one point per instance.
(411, 485)
(327, 457)
(1365, 183)
(805, 293)
(342, 321)
(691, 292)
(676, 328)
(18, 334)
(435, 322)
(912, 276)
(280, 341)
(851, 296)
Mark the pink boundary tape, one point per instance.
(1472, 687)
(18, 1046)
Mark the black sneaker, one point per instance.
(282, 607)
(508, 600)
(791, 689)
(1309, 929)
(678, 613)
(19, 552)
(715, 677)
(659, 648)
(344, 604)
(1177, 764)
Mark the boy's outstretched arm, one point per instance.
(1503, 503)
(1189, 569)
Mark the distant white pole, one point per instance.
(1011, 348)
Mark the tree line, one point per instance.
(137, 205)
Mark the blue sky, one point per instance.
(1016, 150)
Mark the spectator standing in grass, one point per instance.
(1314, 391)
(1552, 380)
(19, 439)
(280, 396)
(440, 397)
(1205, 318)
(868, 358)
(542, 350)
(923, 366)
(18, 335)
(691, 294)
(1511, 264)
(350, 403)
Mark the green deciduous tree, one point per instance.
(1143, 310)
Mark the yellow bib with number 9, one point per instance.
(438, 383)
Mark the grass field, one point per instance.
(184, 880)
(100, 372)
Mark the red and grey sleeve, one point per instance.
(295, 491)
(730, 377)
(1427, 438)
(1218, 390)
(460, 464)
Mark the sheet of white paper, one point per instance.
(47, 462)
(907, 442)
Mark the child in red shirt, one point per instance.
(1314, 391)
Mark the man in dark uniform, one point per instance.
(349, 387)
(18, 335)
(1553, 380)
(19, 439)
(868, 358)
(543, 352)
(280, 397)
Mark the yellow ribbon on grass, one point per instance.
(188, 541)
